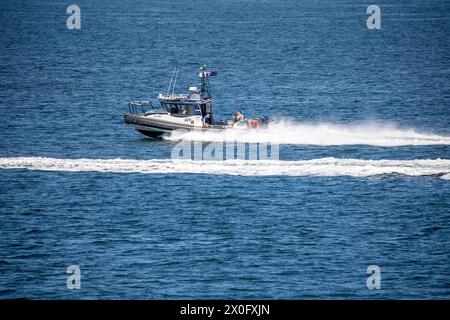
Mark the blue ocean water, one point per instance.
(348, 92)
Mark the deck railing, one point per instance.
(137, 106)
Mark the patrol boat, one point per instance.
(184, 111)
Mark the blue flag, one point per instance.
(206, 74)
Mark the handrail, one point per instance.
(137, 106)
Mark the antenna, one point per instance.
(171, 79)
(202, 79)
(174, 83)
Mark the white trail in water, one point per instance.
(323, 134)
(316, 167)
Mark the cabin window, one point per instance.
(165, 107)
(183, 109)
(198, 111)
(179, 109)
(208, 108)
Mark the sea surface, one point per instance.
(361, 177)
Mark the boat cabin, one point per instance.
(193, 104)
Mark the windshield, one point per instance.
(178, 109)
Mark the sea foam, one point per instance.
(316, 167)
(324, 134)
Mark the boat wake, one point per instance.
(323, 134)
(316, 167)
